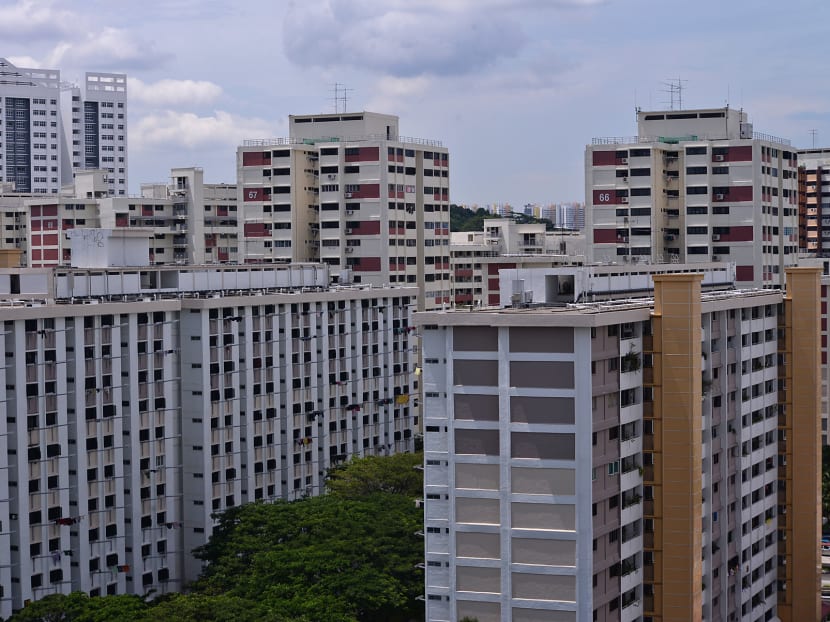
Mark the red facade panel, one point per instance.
(493, 285)
(733, 193)
(50, 239)
(365, 191)
(50, 254)
(741, 153)
(493, 268)
(605, 236)
(738, 234)
(744, 273)
(256, 158)
(367, 264)
(607, 197)
(255, 230)
(364, 154)
(35, 210)
(50, 210)
(604, 158)
(366, 227)
(253, 194)
(492, 299)
(36, 254)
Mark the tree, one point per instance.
(78, 607)
(361, 477)
(327, 558)
(204, 608)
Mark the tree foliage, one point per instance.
(362, 477)
(327, 558)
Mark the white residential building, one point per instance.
(349, 191)
(694, 185)
(137, 400)
(636, 459)
(51, 127)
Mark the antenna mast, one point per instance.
(813, 134)
(674, 89)
(341, 96)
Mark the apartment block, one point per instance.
(477, 257)
(136, 401)
(692, 186)
(814, 201)
(99, 128)
(186, 220)
(347, 190)
(42, 143)
(633, 459)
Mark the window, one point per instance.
(613, 467)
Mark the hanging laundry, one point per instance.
(56, 557)
(402, 399)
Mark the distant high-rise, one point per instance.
(40, 149)
(695, 186)
(348, 191)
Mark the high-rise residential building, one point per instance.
(99, 128)
(349, 191)
(694, 185)
(814, 201)
(570, 216)
(41, 145)
(638, 459)
(137, 401)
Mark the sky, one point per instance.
(514, 88)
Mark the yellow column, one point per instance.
(799, 339)
(677, 476)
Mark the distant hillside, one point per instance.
(463, 219)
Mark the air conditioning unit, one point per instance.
(715, 257)
(625, 179)
(349, 212)
(332, 176)
(347, 231)
(720, 197)
(624, 199)
(622, 161)
(350, 249)
(348, 195)
(718, 157)
(715, 237)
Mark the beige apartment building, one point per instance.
(638, 459)
(349, 191)
(694, 186)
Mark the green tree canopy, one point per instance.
(398, 474)
(325, 558)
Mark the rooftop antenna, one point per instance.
(813, 134)
(341, 97)
(674, 88)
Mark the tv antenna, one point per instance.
(341, 97)
(813, 134)
(674, 89)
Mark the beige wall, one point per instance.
(802, 423)
(677, 508)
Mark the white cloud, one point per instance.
(399, 38)
(110, 48)
(173, 93)
(170, 129)
(26, 20)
